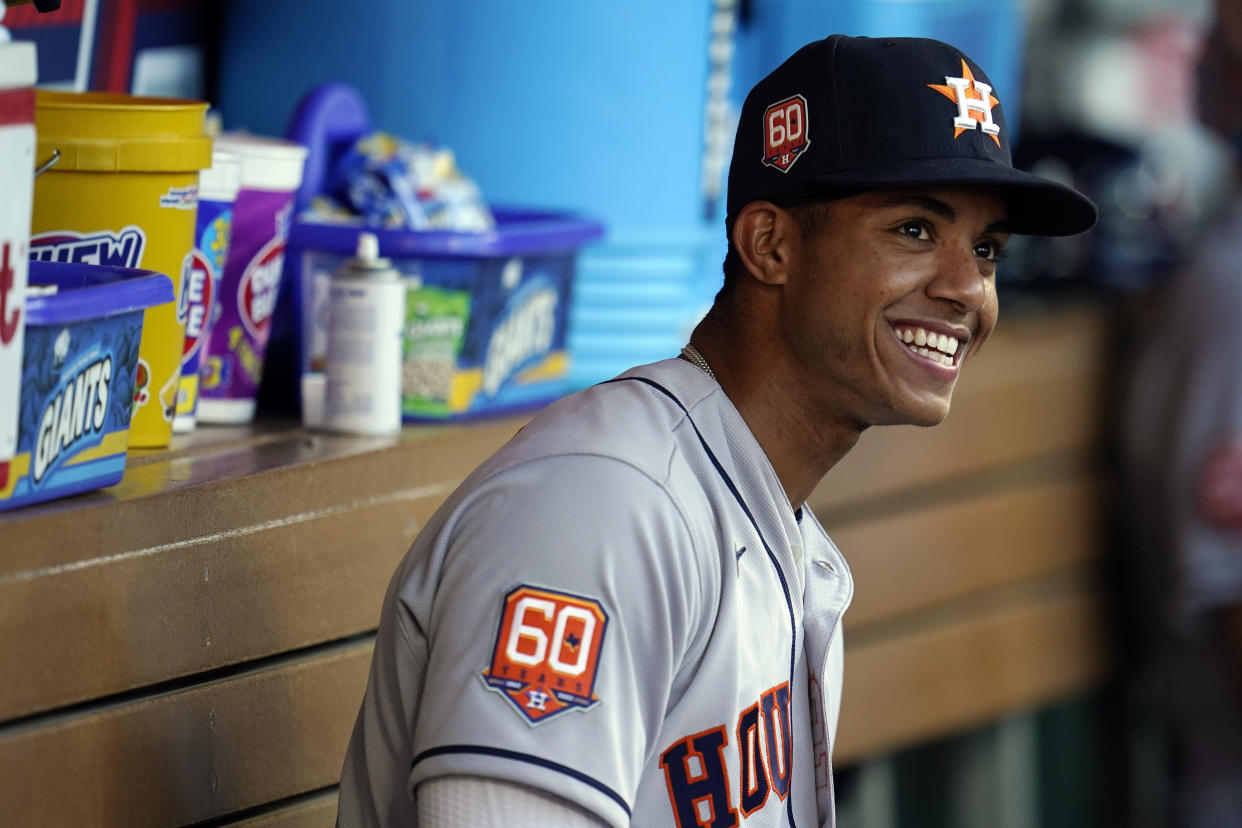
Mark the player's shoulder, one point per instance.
(638, 419)
(597, 472)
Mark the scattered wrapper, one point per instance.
(391, 183)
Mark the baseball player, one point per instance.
(1181, 428)
(626, 616)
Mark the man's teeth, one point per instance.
(938, 347)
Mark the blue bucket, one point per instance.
(502, 359)
(78, 379)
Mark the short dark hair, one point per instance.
(811, 216)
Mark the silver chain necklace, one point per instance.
(692, 353)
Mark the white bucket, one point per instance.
(213, 229)
(17, 163)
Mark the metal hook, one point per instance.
(47, 165)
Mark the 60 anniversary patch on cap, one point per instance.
(787, 133)
(847, 114)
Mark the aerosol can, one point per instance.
(366, 314)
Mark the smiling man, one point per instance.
(626, 616)
(876, 301)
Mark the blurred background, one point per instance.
(625, 112)
(553, 105)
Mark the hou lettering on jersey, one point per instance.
(696, 772)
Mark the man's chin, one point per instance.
(910, 409)
(926, 414)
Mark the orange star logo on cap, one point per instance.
(974, 101)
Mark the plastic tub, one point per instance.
(487, 314)
(79, 380)
(250, 282)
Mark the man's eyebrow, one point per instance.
(940, 208)
(933, 205)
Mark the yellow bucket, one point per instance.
(124, 192)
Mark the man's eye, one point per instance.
(989, 250)
(914, 230)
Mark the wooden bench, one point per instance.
(192, 644)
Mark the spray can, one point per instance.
(366, 314)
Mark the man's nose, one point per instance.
(961, 278)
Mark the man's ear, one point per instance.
(762, 234)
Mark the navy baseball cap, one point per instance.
(844, 115)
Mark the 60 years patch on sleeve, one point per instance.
(547, 652)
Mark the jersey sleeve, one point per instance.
(469, 801)
(565, 602)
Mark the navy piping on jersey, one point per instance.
(526, 757)
(793, 624)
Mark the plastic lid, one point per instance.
(92, 292)
(220, 181)
(518, 233)
(18, 66)
(366, 258)
(103, 132)
(368, 247)
(267, 163)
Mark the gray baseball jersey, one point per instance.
(622, 608)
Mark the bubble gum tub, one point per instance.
(78, 379)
